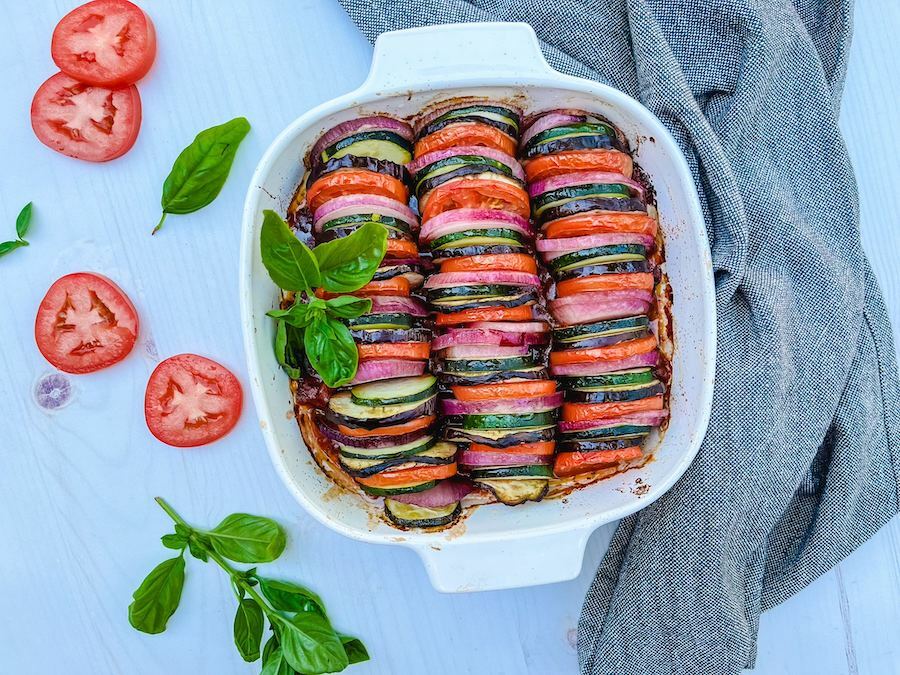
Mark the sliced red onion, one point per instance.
(443, 494)
(439, 110)
(600, 367)
(507, 277)
(466, 336)
(461, 225)
(386, 369)
(451, 406)
(481, 459)
(474, 218)
(647, 418)
(582, 178)
(548, 121)
(396, 304)
(553, 248)
(356, 126)
(458, 351)
(599, 306)
(350, 205)
(420, 163)
(513, 326)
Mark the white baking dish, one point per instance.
(496, 546)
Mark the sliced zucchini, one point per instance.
(598, 255)
(483, 377)
(363, 218)
(508, 421)
(485, 365)
(477, 237)
(399, 490)
(501, 438)
(411, 515)
(605, 395)
(470, 291)
(558, 197)
(342, 410)
(415, 447)
(634, 376)
(519, 491)
(380, 321)
(609, 433)
(441, 452)
(500, 118)
(526, 297)
(591, 142)
(460, 171)
(582, 331)
(625, 267)
(378, 144)
(504, 472)
(395, 391)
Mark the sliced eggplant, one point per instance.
(412, 273)
(362, 218)
(411, 515)
(382, 166)
(513, 492)
(397, 390)
(581, 444)
(465, 250)
(426, 185)
(632, 431)
(528, 297)
(341, 409)
(573, 143)
(334, 233)
(498, 117)
(613, 268)
(478, 377)
(501, 438)
(414, 447)
(582, 331)
(471, 291)
(363, 468)
(592, 341)
(654, 388)
(370, 336)
(557, 197)
(576, 206)
(363, 444)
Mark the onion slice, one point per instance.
(396, 304)
(350, 205)
(482, 459)
(583, 178)
(429, 158)
(599, 306)
(355, 126)
(648, 418)
(451, 406)
(554, 118)
(385, 369)
(600, 367)
(474, 219)
(505, 277)
(557, 247)
(444, 493)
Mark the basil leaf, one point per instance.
(9, 246)
(200, 171)
(290, 597)
(289, 261)
(299, 314)
(311, 645)
(248, 629)
(331, 351)
(347, 306)
(248, 539)
(157, 598)
(275, 663)
(175, 541)
(23, 221)
(349, 263)
(356, 650)
(289, 349)
(197, 550)
(270, 646)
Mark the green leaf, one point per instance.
(311, 645)
(286, 596)
(8, 246)
(349, 263)
(23, 221)
(356, 650)
(248, 539)
(197, 549)
(157, 598)
(200, 171)
(331, 351)
(289, 261)
(276, 664)
(289, 349)
(347, 306)
(299, 315)
(175, 541)
(248, 629)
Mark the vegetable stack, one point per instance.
(384, 424)
(497, 401)
(595, 235)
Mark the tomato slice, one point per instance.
(538, 449)
(514, 262)
(401, 248)
(395, 430)
(395, 286)
(477, 193)
(466, 134)
(616, 352)
(387, 479)
(410, 351)
(355, 181)
(632, 281)
(191, 400)
(522, 313)
(578, 412)
(561, 163)
(109, 43)
(83, 121)
(601, 222)
(571, 463)
(504, 390)
(85, 323)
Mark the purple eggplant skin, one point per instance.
(427, 185)
(594, 446)
(397, 461)
(340, 232)
(506, 441)
(382, 166)
(529, 296)
(392, 335)
(439, 124)
(604, 341)
(465, 251)
(576, 396)
(374, 442)
(427, 408)
(391, 271)
(594, 142)
(591, 204)
(492, 376)
(613, 268)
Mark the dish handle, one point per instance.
(417, 58)
(459, 566)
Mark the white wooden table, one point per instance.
(79, 528)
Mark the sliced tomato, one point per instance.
(84, 323)
(632, 281)
(355, 181)
(395, 430)
(578, 412)
(514, 262)
(601, 222)
(395, 286)
(466, 134)
(523, 313)
(419, 474)
(572, 161)
(83, 121)
(616, 352)
(477, 193)
(409, 351)
(109, 43)
(191, 400)
(401, 248)
(539, 449)
(572, 463)
(504, 390)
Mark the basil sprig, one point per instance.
(23, 222)
(341, 266)
(200, 171)
(302, 642)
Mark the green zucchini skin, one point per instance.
(392, 392)
(518, 491)
(465, 250)
(500, 234)
(380, 321)
(597, 142)
(386, 136)
(387, 492)
(535, 373)
(361, 218)
(506, 421)
(579, 396)
(624, 377)
(587, 204)
(405, 516)
(388, 464)
(608, 433)
(624, 267)
(597, 253)
(507, 441)
(427, 185)
(527, 471)
(473, 290)
(600, 327)
(486, 365)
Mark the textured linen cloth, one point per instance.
(800, 464)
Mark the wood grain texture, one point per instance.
(79, 526)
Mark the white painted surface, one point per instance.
(78, 525)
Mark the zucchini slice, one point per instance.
(380, 321)
(510, 472)
(485, 365)
(378, 144)
(487, 235)
(606, 395)
(599, 255)
(399, 490)
(634, 376)
(411, 515)
(415, 447)
(518, 491)
(396, 391)
(608, 433)
(511, 421)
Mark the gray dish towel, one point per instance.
(800, 464)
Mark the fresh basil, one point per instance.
(349, 263)
(347, 306)
(248, 629)
(198, 549)
(175, 541)
(23, 221)
(289, 261)
(157, 598)
(10, 246)
(290, 597)
(299, 315)
(248, 539)
(331, 350)
(276, 664)
(289, 349)
(200, 171)
(356, 650)
(310, 645)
